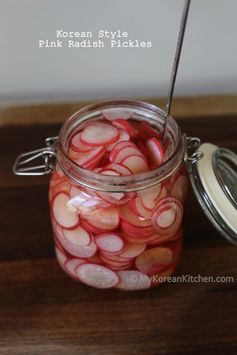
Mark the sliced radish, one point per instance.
(131, 250)
(133, 280)
(99, 133)
(121, 169)
(71, 265)
(126, 152)
(128, 216)
(111, 114)
(136, 163)
(77, 145)
(64, 215)
(138, 208)
(168, 216)
(63, 186)
(180, 188)
(88, 160)
(125, 125)
(85, 202)
(109, 242)
(116, 265)
(135, 231)
(91, 228)
(97, 275)
(166, 238)
(77, 236)
(154, 260)
(119, 146)
(94, 259)
(155, 152)
(103, 218)
(123, 136)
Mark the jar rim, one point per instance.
(135, 182)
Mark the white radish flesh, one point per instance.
(63, 214)
(97, 275)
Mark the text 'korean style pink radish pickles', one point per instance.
(117, 196)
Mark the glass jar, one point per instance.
(116, 223)
(119, 231)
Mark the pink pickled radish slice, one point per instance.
(77, 236)
(153, 260)
(127, 215)
(75, 249)
(123, 136)
(116, 265)
(103, 218)
(91, 228)
(64, 215)
(107, 171)
(133, 280)
(155, 152)
(119, 146)
(97, 275)
(141, 239)
(71, 265)
(131, 250)
(61, 257)
(124, 124)
(99, 133)
(88, 160)
(85, 202)
(94, 259)
(109, 242)
(163, 238)
(112, 114)
(180, 187)
(150, 193)
(126, 152)
(138, 208)
(63, 186)
(77, 145)
(136, 163)
(136, 231)
(121, 169)
(168, 216)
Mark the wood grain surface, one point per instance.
(42, 311)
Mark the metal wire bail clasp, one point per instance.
(192, 155)
(22, 164)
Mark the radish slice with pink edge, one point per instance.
(118, 265)
(133, 238)
(133, 280)
(125, 125)
(112, 114)
(103, 218)
(136, 163)
(118, 146)
(138, 208)
(81, 251)
(123, 136)
(127, 215)
(155, 152)
(154, 260)
(163, 238)
(92, 229)
(64, 215)
(132, 250)
(99, 133)
(77, 236)
(146, 131)
(151, 192)
(168, 216)
(109, 242)
(71, 265)
(85, 202)
(136, 231)
(126, 152)
(77, 145)
(180, 187)
(63, 186)
(88, 160)
(97, 275)
(121, 169)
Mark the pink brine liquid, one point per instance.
(126, 240)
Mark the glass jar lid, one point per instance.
(214, 181)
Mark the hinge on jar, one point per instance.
(22, 167)
(192, 155)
